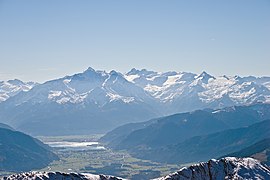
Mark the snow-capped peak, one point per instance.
(132, 71)
(16, 82)
(114, 73)
(142, 72)
(89, 69)
(90, 86)
(13, 87)
(205, 89)
(204, 77)
(179, 91)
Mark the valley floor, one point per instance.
(103, 161)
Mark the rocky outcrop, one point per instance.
(58, 175)
(225, 168)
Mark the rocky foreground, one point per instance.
(58, 175)
(225, 168)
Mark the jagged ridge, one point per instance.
(226, 168)
(13, 87)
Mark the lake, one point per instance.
(75, 146)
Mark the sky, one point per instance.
(43, 40)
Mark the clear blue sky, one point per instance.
(42, 40)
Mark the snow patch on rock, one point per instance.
(225, 168)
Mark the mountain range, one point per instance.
(97, 101)
(214, 145)
(194, 136)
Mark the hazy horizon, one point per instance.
(45, 40)
(73, 73)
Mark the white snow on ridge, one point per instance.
(173, 80)
(226, 168)
(34, 175)
(115, 97)
(97, 87)
(234, 90)
(131, 77)
(13, 87)
(149, 87)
